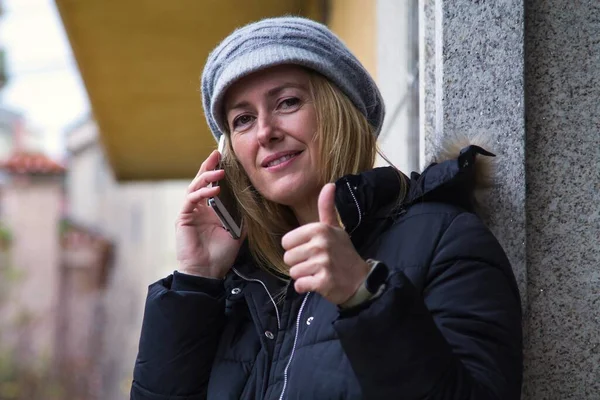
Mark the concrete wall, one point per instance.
(525, 74)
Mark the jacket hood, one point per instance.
(456, 177)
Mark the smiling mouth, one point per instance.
(282, 159)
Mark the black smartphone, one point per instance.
(225, 205)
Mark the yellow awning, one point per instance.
(141, 60)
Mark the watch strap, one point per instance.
(371, 288)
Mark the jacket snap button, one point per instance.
(270, 335)
(309, 320)
(236, 290)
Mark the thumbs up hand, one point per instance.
(321, 257)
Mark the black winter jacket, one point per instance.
(447, 325)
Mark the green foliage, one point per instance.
(5, 235)
(26, 383)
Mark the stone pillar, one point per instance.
(526, 76)
(472, 84)
(562, 87)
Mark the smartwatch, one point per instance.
(377, 276)
(372, 286)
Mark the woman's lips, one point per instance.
(282, 162)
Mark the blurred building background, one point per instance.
(89, 194)
(138, 217)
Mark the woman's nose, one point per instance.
(267, 130)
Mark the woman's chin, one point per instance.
(284, 199)
(290, 193)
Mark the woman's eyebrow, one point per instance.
(279, 88)
(241, 104)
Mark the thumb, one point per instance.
(326, 205)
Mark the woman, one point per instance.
(352, 282)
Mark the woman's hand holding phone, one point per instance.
(204, 248)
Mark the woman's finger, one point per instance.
(309, 283)
(298, 254)
(304, 269)
(205, 179)
(303, 234)
(192, 199)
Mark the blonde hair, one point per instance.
(347, 146)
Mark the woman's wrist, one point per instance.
(371, 287)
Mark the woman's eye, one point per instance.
(292, 102)
(242, 120)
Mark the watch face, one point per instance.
(377, 277)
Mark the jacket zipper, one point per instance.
(357, 207)
(285, 372)
(266, 290)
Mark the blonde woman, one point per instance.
(350, 282)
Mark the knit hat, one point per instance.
(287, 40)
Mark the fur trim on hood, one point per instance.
(450, 148)
(459, 175)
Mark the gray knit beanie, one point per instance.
(287, 40)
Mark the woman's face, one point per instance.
(272, 123)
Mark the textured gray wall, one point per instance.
(472, 84)
(480, 61)
(562, 83)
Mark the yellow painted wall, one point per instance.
(354, 21)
